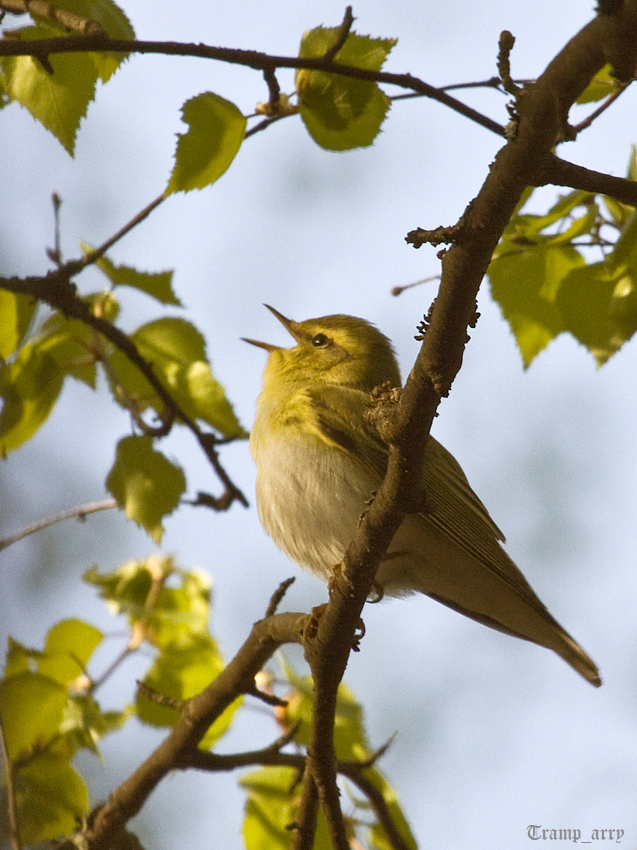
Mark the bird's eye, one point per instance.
(320, 340)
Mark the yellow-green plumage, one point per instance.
(318, 461)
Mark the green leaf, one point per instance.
(339, 112)
(156, 284)
(20, 658)
(32, 707)
(272, 801)
(591, 301)
(181, 671)
(602, 84)
(625, 249)
(106, 12)
(16, 312)
(577, 228)
(205, 151)
(71, 344)
(632, 164)
(126, 589)
(29, 387)
(51, 798)
(377, 836)
(178, 353)
(173, 619)
(59, 100)
(84, 723)
(350, 739)
(69, 645)
(145, 483)
(531, 225)
(181, 613)
(525, 283)
(114, 21)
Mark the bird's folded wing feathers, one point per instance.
(339, 420)
(458, 512)
(452, 505)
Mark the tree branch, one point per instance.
(543, 108)
(199, 713)
(43, 48)
(44, 9)
(57, 290)
(341, 36)
(81, 512)
(553, 170)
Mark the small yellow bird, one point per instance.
(319, 460)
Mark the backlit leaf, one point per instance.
(114, 21)
(590, 311)
(126, 589)
(16, 312)
(272, 801)
(145, 483)
(156, 284)
(216, 129)
(32, 707)
(340, 112)
(29, 387)
(68, 648)
(525, 284)
(51, 798)
(602, 84)
(59, 100)
(70, 343)
(177, 352)
(181, 671)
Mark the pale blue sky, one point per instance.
(492, 734)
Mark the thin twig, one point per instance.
(270, 755)
(304, 827)
(380, 807)
(278, 595)
(111, 668)
(95, 255)
(398, 290)
(55, 253)
(80, 513)
(583, 125)
(263, 125)
(42, 48)
(274, 89)
(57, 290)
(341, 35)
(492, 83)
(44, 9)
(505, 46)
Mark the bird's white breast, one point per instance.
(309, 497)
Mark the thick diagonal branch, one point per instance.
(201, 711)
(543, 110)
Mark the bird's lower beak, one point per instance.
(266, 345)
(288, 324)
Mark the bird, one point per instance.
(319, 460)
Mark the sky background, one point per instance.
(492, 734)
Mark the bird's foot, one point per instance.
(332, 584)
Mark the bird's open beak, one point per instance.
(288, 324)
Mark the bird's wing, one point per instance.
(338, 418)
(455, 509)
(451, 504)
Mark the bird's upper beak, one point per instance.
(288, 324)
